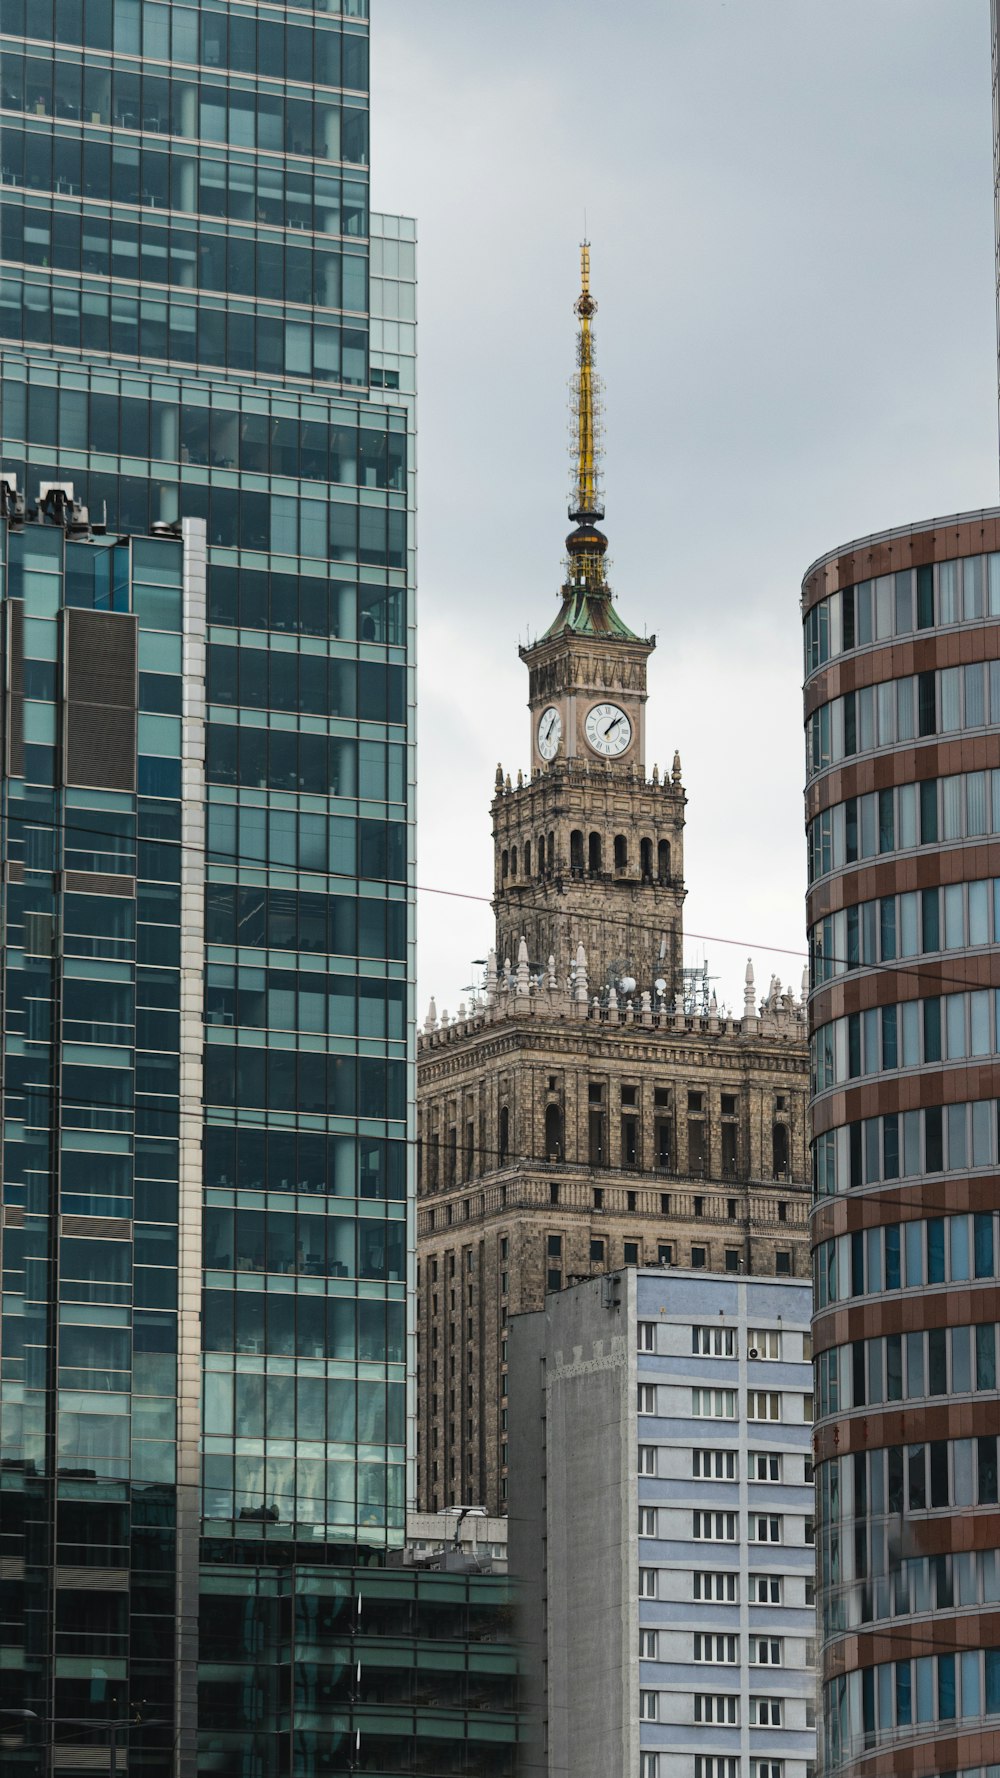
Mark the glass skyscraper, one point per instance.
(206, 427)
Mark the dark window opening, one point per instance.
(661, 1139)
(504, 1134)
(576, 852)
(730, 1157)
(553, 1191)
(597, 1148)
(698, 1255)
(630, 1142)
(621, 852)
(663, 861)
(553, 1132)
(594, 852)
(646, 859)
(779, 1144)
(665, 1253)
(598, 1197)
(697, 1147)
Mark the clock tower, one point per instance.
(590, 849)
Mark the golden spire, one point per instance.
(586, 386)
(586, 545)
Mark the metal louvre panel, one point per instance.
(101, 697)
(95, 883)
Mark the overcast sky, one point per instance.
(790, 205)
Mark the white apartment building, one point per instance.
(662, 1526)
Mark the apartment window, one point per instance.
(716, 1765)
(810, 1592)
(716, 1588)
(764, 1342)
(504, 1248)
(731, 1209)
(765, 1528)
(647, 1398)
(696, 1101)
(733, 1257)
(765, 1466)
(553, 1191)
(553, 1280)
(646, 1336)
(810, 1652)
(718, 1649)
(698, 1259)
(665, 1253)
(807, 1409)
(809, 1529)
(765, 1589)
(647, 1459)
(649, 1706)
(763, 1404)
(647, 1521)
(647, 1583)
(807, 1469)
(631, 1200)
(597, 1253)
(783, 1264)
(553, 1246)
(664, 1203)
(713, 1466)
(648, 1645)
(713, 1342)
(765, 1713)
(631, 1253)
(699, 1206)
(716, 1707)
(765, 1651)
(630, 1095)
(630, 1145)
(598, 1197)
(709, 1527)
(713, 1404)
(649, 1765)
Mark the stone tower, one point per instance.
(589, 850)
(582, 1114)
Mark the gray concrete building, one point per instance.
(661, 1461)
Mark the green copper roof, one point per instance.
(587, 613)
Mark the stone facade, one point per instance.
(559, 1139)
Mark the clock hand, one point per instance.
(612, 725)
(552, 722)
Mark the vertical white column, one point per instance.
(191, 1119)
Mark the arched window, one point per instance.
(504, 1135)
(541, 855)
(646, 859)
(594, 852)
(504, 862)
(663, 861)
(527, 858)
(553, 1133)
(779, 1145)
(513, 861)
(576, 852)
(621, 852)
(551, 859)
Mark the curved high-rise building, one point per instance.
(902, 706)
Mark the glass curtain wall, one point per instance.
(200, 320)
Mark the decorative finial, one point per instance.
(499, 777)
(431, 1021)
(520, 780)
(580, 984)
(749, 993)
(656, 774)
(586, 545)
(506, 782)
(676, 772)
(523, 977)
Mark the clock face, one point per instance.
(608, 730)
(549, 732)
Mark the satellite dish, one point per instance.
(627, 984)
(660, 985)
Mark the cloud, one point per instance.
(791, 214)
